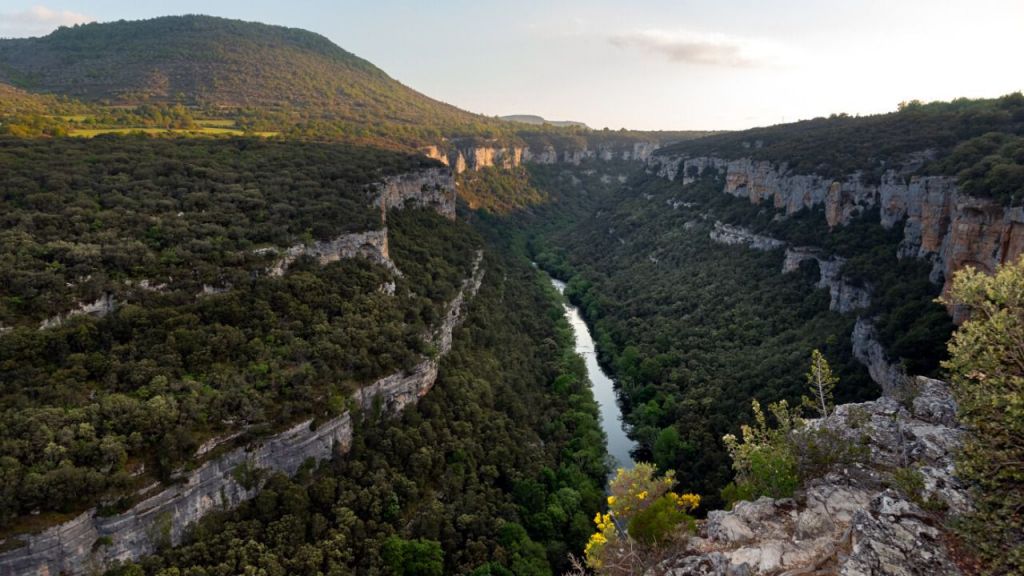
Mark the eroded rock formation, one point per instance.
(738, 236)
(844, 296)
(852, 521)
(100, 307)
(940, 223)
(461, 157)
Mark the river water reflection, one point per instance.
(619, 444)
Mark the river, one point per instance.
(602, 385)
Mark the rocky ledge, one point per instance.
(940, 223)
(462, 157)
(856, 520)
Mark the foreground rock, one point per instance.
(852, 522)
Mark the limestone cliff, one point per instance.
(851, 521)
(461, 157)
(430, 188)
(92, 541)
(372, 245)
(844, 296)
(100, 307)
(940, 223)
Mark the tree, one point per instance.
(986, 368)
(822, 383)
(413, 557)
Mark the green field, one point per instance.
(206, 130)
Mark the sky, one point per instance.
(641, 64)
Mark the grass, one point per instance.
(205, 130)
(217, 122)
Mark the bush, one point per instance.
(986, 368)
(765, 461)
(654, 516)
(660, 521)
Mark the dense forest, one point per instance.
(692, 329)
(977, 140)
(202, 339)
(81, 219)
(497, 471)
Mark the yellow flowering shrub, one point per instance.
(645, 504)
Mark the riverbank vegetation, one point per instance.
(692, 329)
(497, 471)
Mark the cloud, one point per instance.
(38, 20)
(703, 48)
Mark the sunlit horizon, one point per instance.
(658, 65)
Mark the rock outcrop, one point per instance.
(430, 188)
(739, 236)
(100, 307)
(844, 296)
(852, 521)
(461, 157)
(940, 223)
(91, 541)
(372, 245)
(870, 352)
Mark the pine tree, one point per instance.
(821, 383)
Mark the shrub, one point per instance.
(986, 368)
(765, 461)
(654, 516)
(657, 523)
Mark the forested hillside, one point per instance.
(497, 471)
(979, 141)
(273, 75)
(168, 248)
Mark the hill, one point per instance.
(540, 121)
(285, 73)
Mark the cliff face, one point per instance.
(851, 522)
(92, 541)
(461, 158)
(372, 245)
(940, 224)
(844, 296)
(431, 188)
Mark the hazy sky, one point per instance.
(646, 64)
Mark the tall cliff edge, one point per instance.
(852, 521)
(940, 223)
